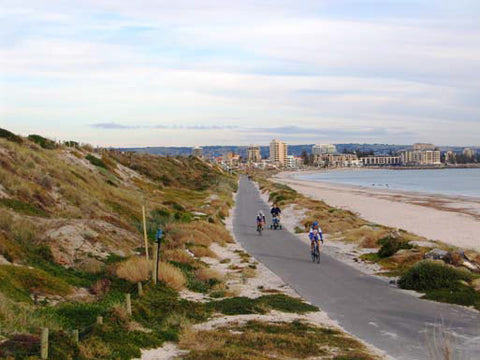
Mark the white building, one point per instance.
(321, 149)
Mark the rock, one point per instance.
(470, 266)
(476, 284)
(471, 256)
(438, 254)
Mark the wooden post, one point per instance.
(155, 264)
(44, 344)
(140, 289)
(145, 232)
(128, 303)
(75, 336)
(99, 320)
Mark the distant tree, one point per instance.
(305, 157)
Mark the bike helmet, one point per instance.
(315, 223)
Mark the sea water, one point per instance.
(464, 182)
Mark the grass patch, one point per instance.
(19, 282)
(261, 305)
(390, 245)
(10, 136)
(22, 207)
(261, 341)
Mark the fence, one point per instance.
(42, 348)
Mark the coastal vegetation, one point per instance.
(399, 253)
(73, 258)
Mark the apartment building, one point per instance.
(253, 154)
(336, 160)
(380, 160)
(422, 154)
(278, 152)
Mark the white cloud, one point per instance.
(240, 64)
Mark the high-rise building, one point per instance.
(468, 153)
(278, 152)
(197, 151)
(321, 149)
(253, 154)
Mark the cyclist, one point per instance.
(260, 219)
(315, 234)
(275, 211)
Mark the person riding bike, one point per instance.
(275, 213)
(315, 234)
(260, 219)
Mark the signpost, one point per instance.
(158, 238)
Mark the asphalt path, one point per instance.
(369, 307)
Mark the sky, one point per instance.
(210, 72)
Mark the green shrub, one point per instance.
(429, 275)
(10, 136)
(95, 161)
(390, 245)
(43, 142)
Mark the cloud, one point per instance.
(113, 126)
(349, 69)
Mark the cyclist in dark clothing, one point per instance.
(275, 217)
(275, 210)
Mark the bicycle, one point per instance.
(316, 253)
(275, 223)
(259, 228)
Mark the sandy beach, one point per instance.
(452, 220)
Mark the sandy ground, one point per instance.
(261, 281)
(452, 220)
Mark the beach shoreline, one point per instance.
(454, 220)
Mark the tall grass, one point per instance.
(135, 269)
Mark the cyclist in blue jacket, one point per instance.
(315, 234)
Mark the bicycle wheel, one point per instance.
(318, 255)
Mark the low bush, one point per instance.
(390, 245)
(95, 161)
(430, 275)
(43, 142)
(10, 136)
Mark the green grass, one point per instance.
(19, 282)
(22, 207)
(390, 245)
(261, 305)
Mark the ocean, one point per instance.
(464, 182)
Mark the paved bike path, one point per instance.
(364, 305)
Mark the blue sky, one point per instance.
(153, 72)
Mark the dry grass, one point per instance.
(177, 255)
(203, 233)
(135, 269)
(366, 236)
(171, 276)
(205, 274)
(201, 251)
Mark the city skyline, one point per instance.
(190, 73)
